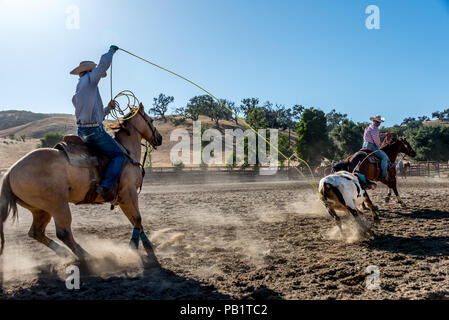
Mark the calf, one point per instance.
(345, 191)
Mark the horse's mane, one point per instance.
(389, 139)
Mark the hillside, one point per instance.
(436, 123)
(13, 149)
(14, 118)
(38, 128)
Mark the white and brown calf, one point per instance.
(346, 192)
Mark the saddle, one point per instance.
(373, 158)
(79, 154)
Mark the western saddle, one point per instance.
(79, 154)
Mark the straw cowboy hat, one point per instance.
(377, 118)
(84, 66)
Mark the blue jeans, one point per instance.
(97, 137)
(382, 155)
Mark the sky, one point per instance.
(316, 53)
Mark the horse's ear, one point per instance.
(141, 107)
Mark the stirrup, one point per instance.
(107, 195)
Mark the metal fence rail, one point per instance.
(428, 169)
(421, 168)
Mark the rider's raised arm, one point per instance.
(103, 65)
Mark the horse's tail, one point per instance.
(7, 203)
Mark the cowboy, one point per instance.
(90, 114)
(371, 141)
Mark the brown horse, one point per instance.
(392, 146)
(44, 182)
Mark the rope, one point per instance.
(313, 185)
(118, 113)
(387, 140)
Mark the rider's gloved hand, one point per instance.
(113, 47)
(111, 105)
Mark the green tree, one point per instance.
(431, 143)
(160, 105)
(256, 119)
(207, 106)
(50, 139)
(444, 115)
(313, 140)
(284, 147)
(297, 111)
(348, 137)
(248, 104)
(335, 119)
(414, 122)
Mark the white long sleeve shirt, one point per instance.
(89, 108)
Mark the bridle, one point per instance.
(146, 145)
(150, 125)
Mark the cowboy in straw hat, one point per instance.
(90, 114)
(371, 141)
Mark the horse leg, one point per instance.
(367, 200)
(336, 218)
(37, 232)
(387, 198)
(398, 198)
(130, 206)
(63, 221)
(351, 208)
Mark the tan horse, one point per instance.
(44, 182)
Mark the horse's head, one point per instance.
(398, 143)
(405, 147)
(144, 125)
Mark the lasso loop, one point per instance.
(129, 93)
(131, 109)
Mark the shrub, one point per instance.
(50, 139)
(178, 165)
(179, 121)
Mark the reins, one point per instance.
(146, 145)
(384, 143)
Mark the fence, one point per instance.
(428, 169)
(423, 168)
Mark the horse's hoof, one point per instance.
(62, 252)
(375, 208)
(376, 220)
(133, 246)
(387, 199)
(150, 261)
(403, 205)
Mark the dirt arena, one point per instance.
(243, 241)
